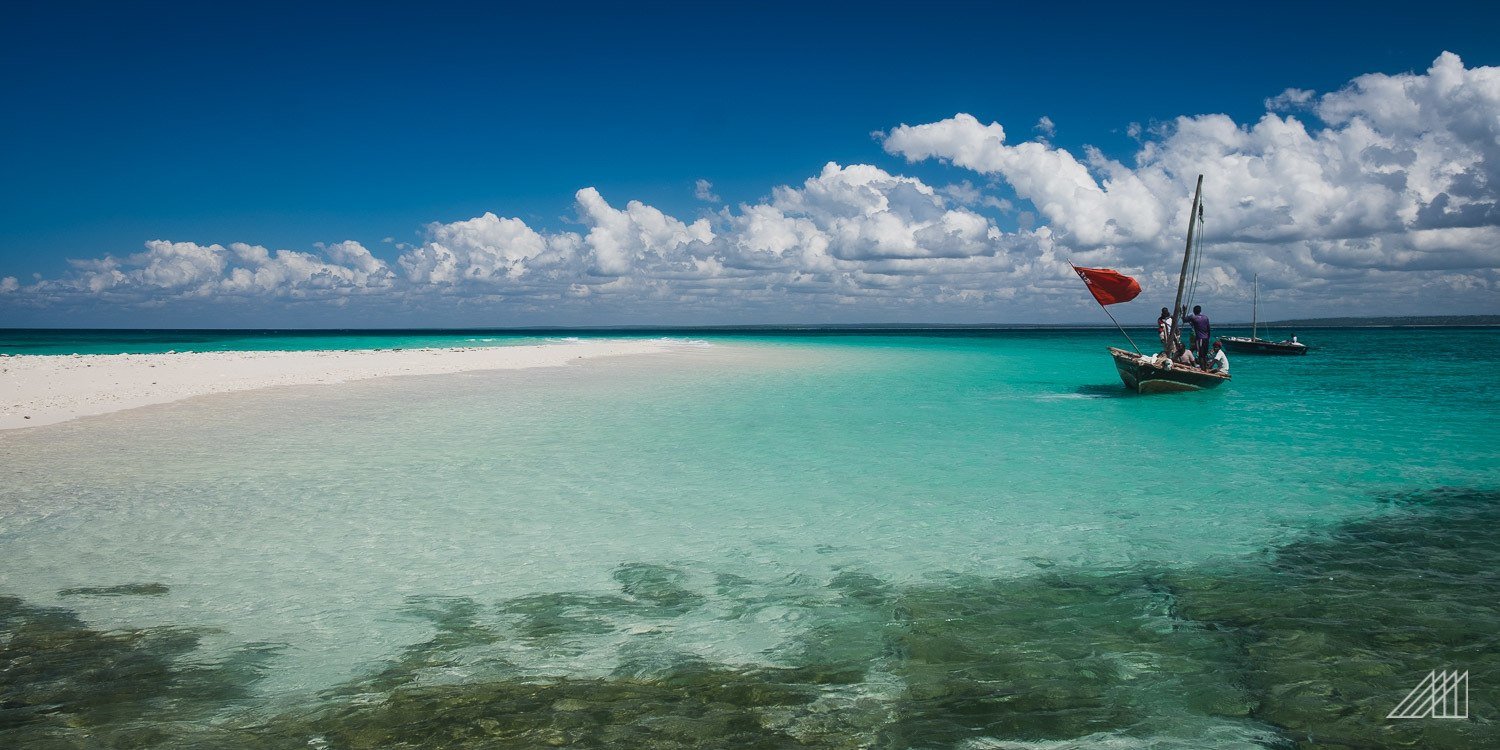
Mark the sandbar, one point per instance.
(38, 390)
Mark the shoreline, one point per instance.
(45, 389)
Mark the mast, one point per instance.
(1255, 308)
(1186, 255)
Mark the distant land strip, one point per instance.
(1397, 321)
(1404, 321)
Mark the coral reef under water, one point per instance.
(1308, 645)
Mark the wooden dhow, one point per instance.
(1158, 373)
(1255, 344)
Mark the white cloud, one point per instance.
(485, 249)
(1403, 174)
(1046, 127)
(703, 190)
(1289, 99)
(999, 204)
(1121, 209)
(1389, 189)
(963, 193)
(347, 267)
(189, 270)
(620, 240)
(862, 212)
(849, 232)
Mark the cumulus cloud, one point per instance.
(621, 240)
(1289, 99)
(703, 190)
(1389, 186)
(485, 249)
(1120, 208)
(1402, 174)
(842, 232)
(862, 213)
(189, 270)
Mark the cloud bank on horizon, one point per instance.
(1382, 196)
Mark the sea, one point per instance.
(947, 538)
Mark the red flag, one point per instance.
(1108, 285)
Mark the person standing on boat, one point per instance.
(1164, 330)
(1219, 362)
(1201, 332)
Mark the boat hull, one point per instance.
(1244, 345)
(1142, 375)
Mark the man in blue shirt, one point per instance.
(1201, 332)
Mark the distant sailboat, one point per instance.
(1255, 344)
(1158, 374)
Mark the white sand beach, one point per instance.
(38, 390)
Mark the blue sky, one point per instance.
(286, 126)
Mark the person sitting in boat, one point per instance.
(1184, 355)
(1164, 330)
(1201, 332)
(1219, 362)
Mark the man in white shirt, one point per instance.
(1218, 362)
(1164, 330)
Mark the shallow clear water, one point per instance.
(113, 341)
(902, 541)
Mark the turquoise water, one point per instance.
(949, 540)
(121, 341)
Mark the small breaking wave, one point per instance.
(682, 342)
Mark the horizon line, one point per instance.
(1416, 321)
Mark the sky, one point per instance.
(384, 164)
